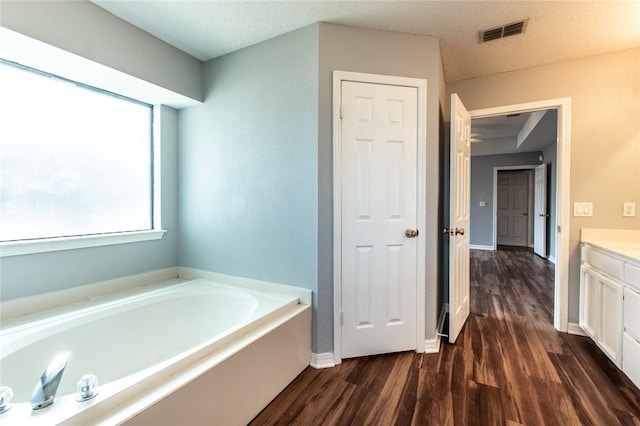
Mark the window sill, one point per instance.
(16, 248)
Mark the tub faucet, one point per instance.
(45, 391)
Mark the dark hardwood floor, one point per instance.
(508, 367)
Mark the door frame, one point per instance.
(421, 86)
(495, 200)
(563, 158)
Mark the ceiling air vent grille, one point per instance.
(503, 31)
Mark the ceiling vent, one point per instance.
(503, 31)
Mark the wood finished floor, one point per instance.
(508, 367)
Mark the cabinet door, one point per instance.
(610, 336)
(589, 301)
(631, 358)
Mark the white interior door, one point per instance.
(540, 211)
(459, 217)
(513, 208)
(379, 216)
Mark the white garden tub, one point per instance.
(190, 353)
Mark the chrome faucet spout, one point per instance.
(45, 390)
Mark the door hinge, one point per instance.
(341, 317)
(341, 116)
(559, 229)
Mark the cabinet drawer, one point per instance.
(632, 312)
(632, 275)
(608, 264)
(631, 358)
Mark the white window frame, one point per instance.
(43, 245)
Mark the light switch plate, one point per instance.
(629, 210)
(483, 203)
(583, 209)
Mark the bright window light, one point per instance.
(74, 160)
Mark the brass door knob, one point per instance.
(453, 231)
(411, 233)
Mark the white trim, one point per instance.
(432, 346)
(323, 360)
(563, 175)
(552, 259)
(575, 329)
(495, 200)
(304, 295)
(480, 247)
(421, 86)
(16, 248)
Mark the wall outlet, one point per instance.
(483, 203)
(584, 209)
(629, 210)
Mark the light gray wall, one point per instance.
(248, 165)
(550, 158)
(87, 30)
(482, 190)
(27, 275)
(256, 158)
(376, 52)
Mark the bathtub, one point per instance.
(195, 352)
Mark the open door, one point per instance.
(540, 215)
(459, 217)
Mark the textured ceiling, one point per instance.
(556, 30)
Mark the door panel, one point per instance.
(513, 208)
(459, 220)
(379, 203)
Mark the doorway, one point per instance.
(513, 226)
(561, 232)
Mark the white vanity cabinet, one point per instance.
(610, 305)
(601, 312)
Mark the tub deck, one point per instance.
(222, 375)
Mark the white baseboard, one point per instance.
(323, 360)
(432, 346)
(573, 328)
(480, 247)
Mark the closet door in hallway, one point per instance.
(513, 208)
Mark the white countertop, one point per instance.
(625, 242)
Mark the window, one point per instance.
(74, 160)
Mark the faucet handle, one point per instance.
(45, 390)
(6, 395)
(87, 387)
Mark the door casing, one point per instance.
(563, 169)
(421, 85)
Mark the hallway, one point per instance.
(509, 366)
